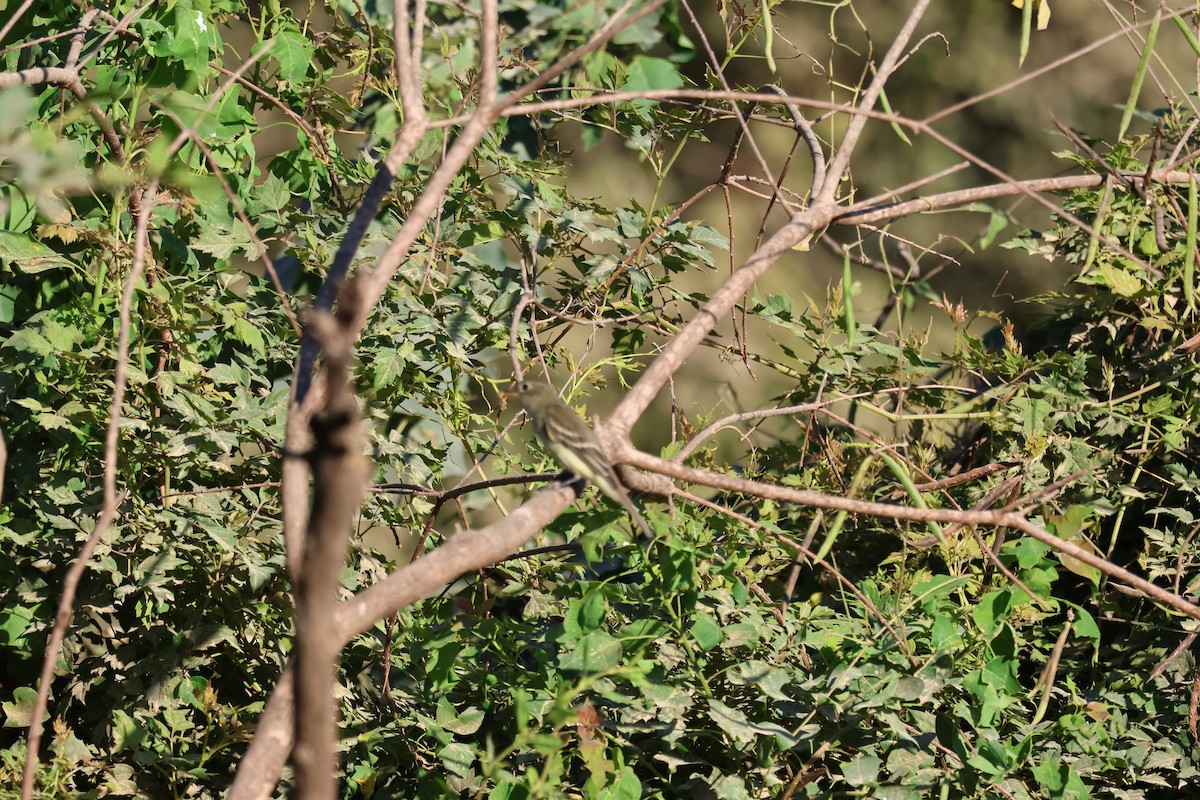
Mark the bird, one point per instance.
(572, 442)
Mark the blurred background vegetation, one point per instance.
(818, 52)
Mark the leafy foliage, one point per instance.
(720, 660)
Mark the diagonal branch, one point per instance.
(1000, 519)
(854, 128)
(145, 205)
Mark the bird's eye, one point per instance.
(523, 386)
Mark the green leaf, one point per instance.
(19, 713)
(458, 758)
(1085, 626)
(936, 588)
(997, 222)
(127, 732)
(625, 786)
(188, 40)
(993, 758)
(862, 771)
(249, 335)
(706, 631)
(509, 791)
(647, 74)
(1029, 551)
(741, 730)
(1121, 282)
(224, 537)
(949, 735)
(272, 194)
(595, 652)
(294, 54)
(14, 624)
(732, 721)
(463, 724)
(991, 611)
(29, 255)
(479, 233)
(389, 364)
(1060, 781)
(223, 243)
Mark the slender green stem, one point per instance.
(768, 35)
(913, 495)
(848, 300)
(1187, 34)
(1139, 77)
(1189, 261)
(840, 519)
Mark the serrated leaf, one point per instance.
(222, 244)
(294, 54)
(1120, 281)
(249, 335)
(19, 713)
(67, 234)
(29, 255)
(272, 194)
(389, 366)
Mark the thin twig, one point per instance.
(74, 576)
(1001, 519)
(854, 128)
(964, 477)
(20, 12)
(868, 212)
(1171, 657)
(145, 204)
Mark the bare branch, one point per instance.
(868, 212)
(1001, 519)
(340, 472)
(66, 602)
(804, 129)
(803, 408)
(145, 205)
(806, 224)
(464, 552)
(841, 159)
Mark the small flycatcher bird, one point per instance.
(572, 442)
